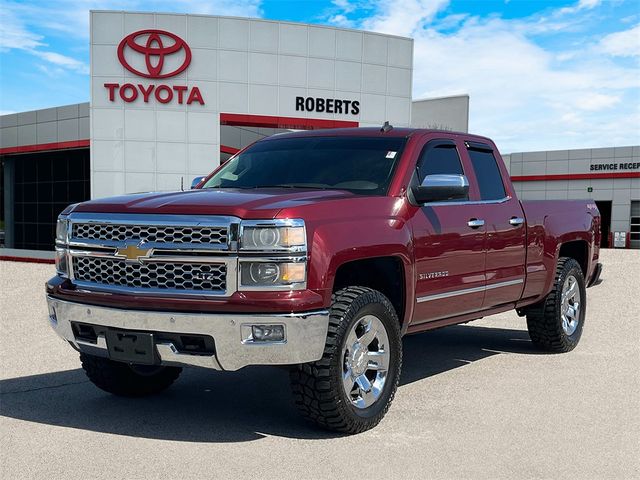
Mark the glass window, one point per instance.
(361, 165)
(634, 234)
(488, 175)
(45, 183)
(438, 158)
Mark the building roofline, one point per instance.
(255, 19)
(446, 97)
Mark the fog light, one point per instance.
(272, 275)
(261, 273)
(262, 333)
(61, 262)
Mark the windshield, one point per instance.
(359, 164)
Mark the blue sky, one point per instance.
(541, 74)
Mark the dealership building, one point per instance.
(174, 95)
(610, 176)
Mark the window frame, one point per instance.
(485, 147)
(383, 193)
(462, 145)
(433, 144)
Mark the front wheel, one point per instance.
(352, 386)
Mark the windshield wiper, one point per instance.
(284, 185)
(290, 185)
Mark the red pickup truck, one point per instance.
(318, 250)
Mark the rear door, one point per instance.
(504, 223)
(449, 252)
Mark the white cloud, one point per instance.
(622, 44)
(71, 17)
(402, 17)
(16, 35)
(341, 20)
(26, 26)
(597, 101)
(239, 8)
(581, 5)
(524, 95)
(344, 5)
(13, 33)
(62, 61)
(51, 71)
(519, 91)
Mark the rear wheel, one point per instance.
(352, 386)
(556, 323)
(125, 379)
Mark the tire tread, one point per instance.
(317, 399)
(543, 324)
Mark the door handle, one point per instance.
(475, 223)
(516, 221)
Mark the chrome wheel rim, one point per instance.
(570, 305)
(365, 361)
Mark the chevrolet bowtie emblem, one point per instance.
(133, 253)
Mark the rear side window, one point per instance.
(439, 158)
(488, 174)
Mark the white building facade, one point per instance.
(610, 176)
(162, 85)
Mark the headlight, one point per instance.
(62, 228)
(62, 254)
(278, 235)
(273, 274)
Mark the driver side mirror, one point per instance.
(441, 188)
(196, 181)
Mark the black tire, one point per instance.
(317, 387)
(127, 380)
(544, 321)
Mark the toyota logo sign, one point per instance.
(154, 51)
(162, 54)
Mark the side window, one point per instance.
(487, 173)
(439, 158)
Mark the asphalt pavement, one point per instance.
(475, 401)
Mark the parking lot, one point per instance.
(475, 401)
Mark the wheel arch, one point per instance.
(386, 274)
(578, 250)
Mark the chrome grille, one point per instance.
(150, 233)
(195, 277)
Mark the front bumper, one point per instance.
(306, 334)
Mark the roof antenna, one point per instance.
(386, 127)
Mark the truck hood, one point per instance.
(255, 203)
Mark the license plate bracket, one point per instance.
(131, 347)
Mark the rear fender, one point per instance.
(557, 236)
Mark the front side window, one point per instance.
(439, 158)
(488, 174)
(362, 165)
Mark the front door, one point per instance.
(449, 245)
